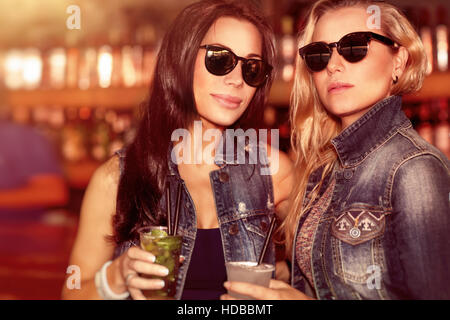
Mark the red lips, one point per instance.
(338, 86)
(227, 100)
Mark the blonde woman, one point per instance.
(370, 214)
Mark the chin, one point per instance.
(223, 119)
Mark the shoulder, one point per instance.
(422, 178)
(103, 185)
(281, 166)
(422, 166)
(282, 172)
(107, 175)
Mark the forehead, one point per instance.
(241, 36)
(335, 24)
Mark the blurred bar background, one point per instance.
(81, 88)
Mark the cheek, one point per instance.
(250, 93)
(201, 83)
(320, 83)
(373, 77)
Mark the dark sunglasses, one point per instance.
(353, 47)
(221, 61)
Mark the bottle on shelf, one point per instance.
(87, 71)
(57, 61)
(13, 69)
(442, 128)
(32, 68)
(287, 48)
(427, 37)
(442, 40)
(73, 61)
(424, 128)
(105, 66)
(99, 136)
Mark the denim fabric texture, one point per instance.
(244, 204)
(386, 232)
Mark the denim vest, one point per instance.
(244, 204)
(385, 234)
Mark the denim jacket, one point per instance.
(386, 232)
(244, 204)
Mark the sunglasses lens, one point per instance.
(219, 61)
(316, 56)
(254, 72)
(354, 47)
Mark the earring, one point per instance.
(396, 80)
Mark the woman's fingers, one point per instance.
(252, 290)
(141, 283)
(136, 253)
(277, 284)
(148, 268)
(136, 294)
(227, 297)
(138, 263)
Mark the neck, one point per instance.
(204, 138)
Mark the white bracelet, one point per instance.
(103, 289)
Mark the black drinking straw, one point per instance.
(266, 241)
(177, 209)
(169, 210)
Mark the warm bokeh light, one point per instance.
(442, 47)
(32, 68)
(104, 66)
(87, 69)
(58, 61)
(427, 39)
(131, 64)
(14, 69)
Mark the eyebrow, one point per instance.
(250, 55)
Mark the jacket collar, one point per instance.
(375, 127)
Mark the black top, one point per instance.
(206, 273)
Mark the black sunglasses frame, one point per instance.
(267, 68)
(338, 45)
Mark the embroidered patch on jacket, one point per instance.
(356, 226)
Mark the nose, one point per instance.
(335, 63)
(235, 76)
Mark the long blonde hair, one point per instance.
(312, 127)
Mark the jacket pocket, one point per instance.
(358, 224)
(357, 247)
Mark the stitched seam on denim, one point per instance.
(186, 263)
(378, 252)
(266, 178)
(254, 228)
(338, 269)
(411, 139)
(294, 259)
(322, 260)
(397, 166)
(237, 217)
(377, 146)
(426, 151)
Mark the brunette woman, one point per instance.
(213, 72)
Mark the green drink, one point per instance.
(167, 251)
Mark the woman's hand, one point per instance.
(127, 270)
(278, 290)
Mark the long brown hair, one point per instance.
(171, 106)
(312, 127)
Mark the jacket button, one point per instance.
(348, 174)
(263, 225)
(233, 229)
(224, 177)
